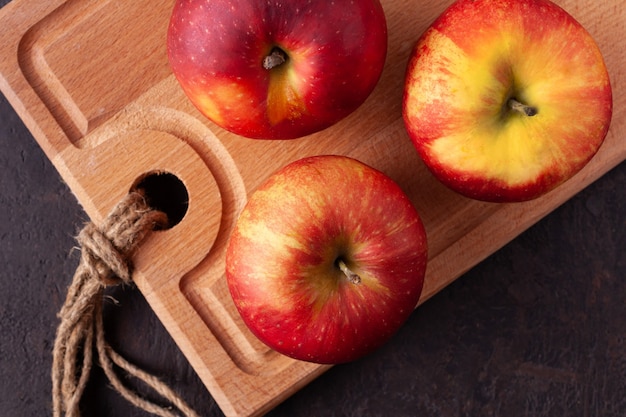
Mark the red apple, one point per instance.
(506, 99)
(278, 69)
(327, 259)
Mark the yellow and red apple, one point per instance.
(327, 259)
(506, 99)
(278, 69)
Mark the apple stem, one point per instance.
(275, 58)
(352, 277)
(521, 107)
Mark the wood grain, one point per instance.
(91, 82)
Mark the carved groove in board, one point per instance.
(32, 61)
(69, 91)
(204, 287)
(244, 349)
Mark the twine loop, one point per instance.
(106, 253)
(111, 266)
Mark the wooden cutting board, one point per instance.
(90, 80)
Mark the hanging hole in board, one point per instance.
(164, 192)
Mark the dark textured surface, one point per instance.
(538, 329)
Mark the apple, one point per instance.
(506, 99)
(278, 69)
(326, 260)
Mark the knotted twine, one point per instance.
(106, 253)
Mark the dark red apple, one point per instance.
(277, 69)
